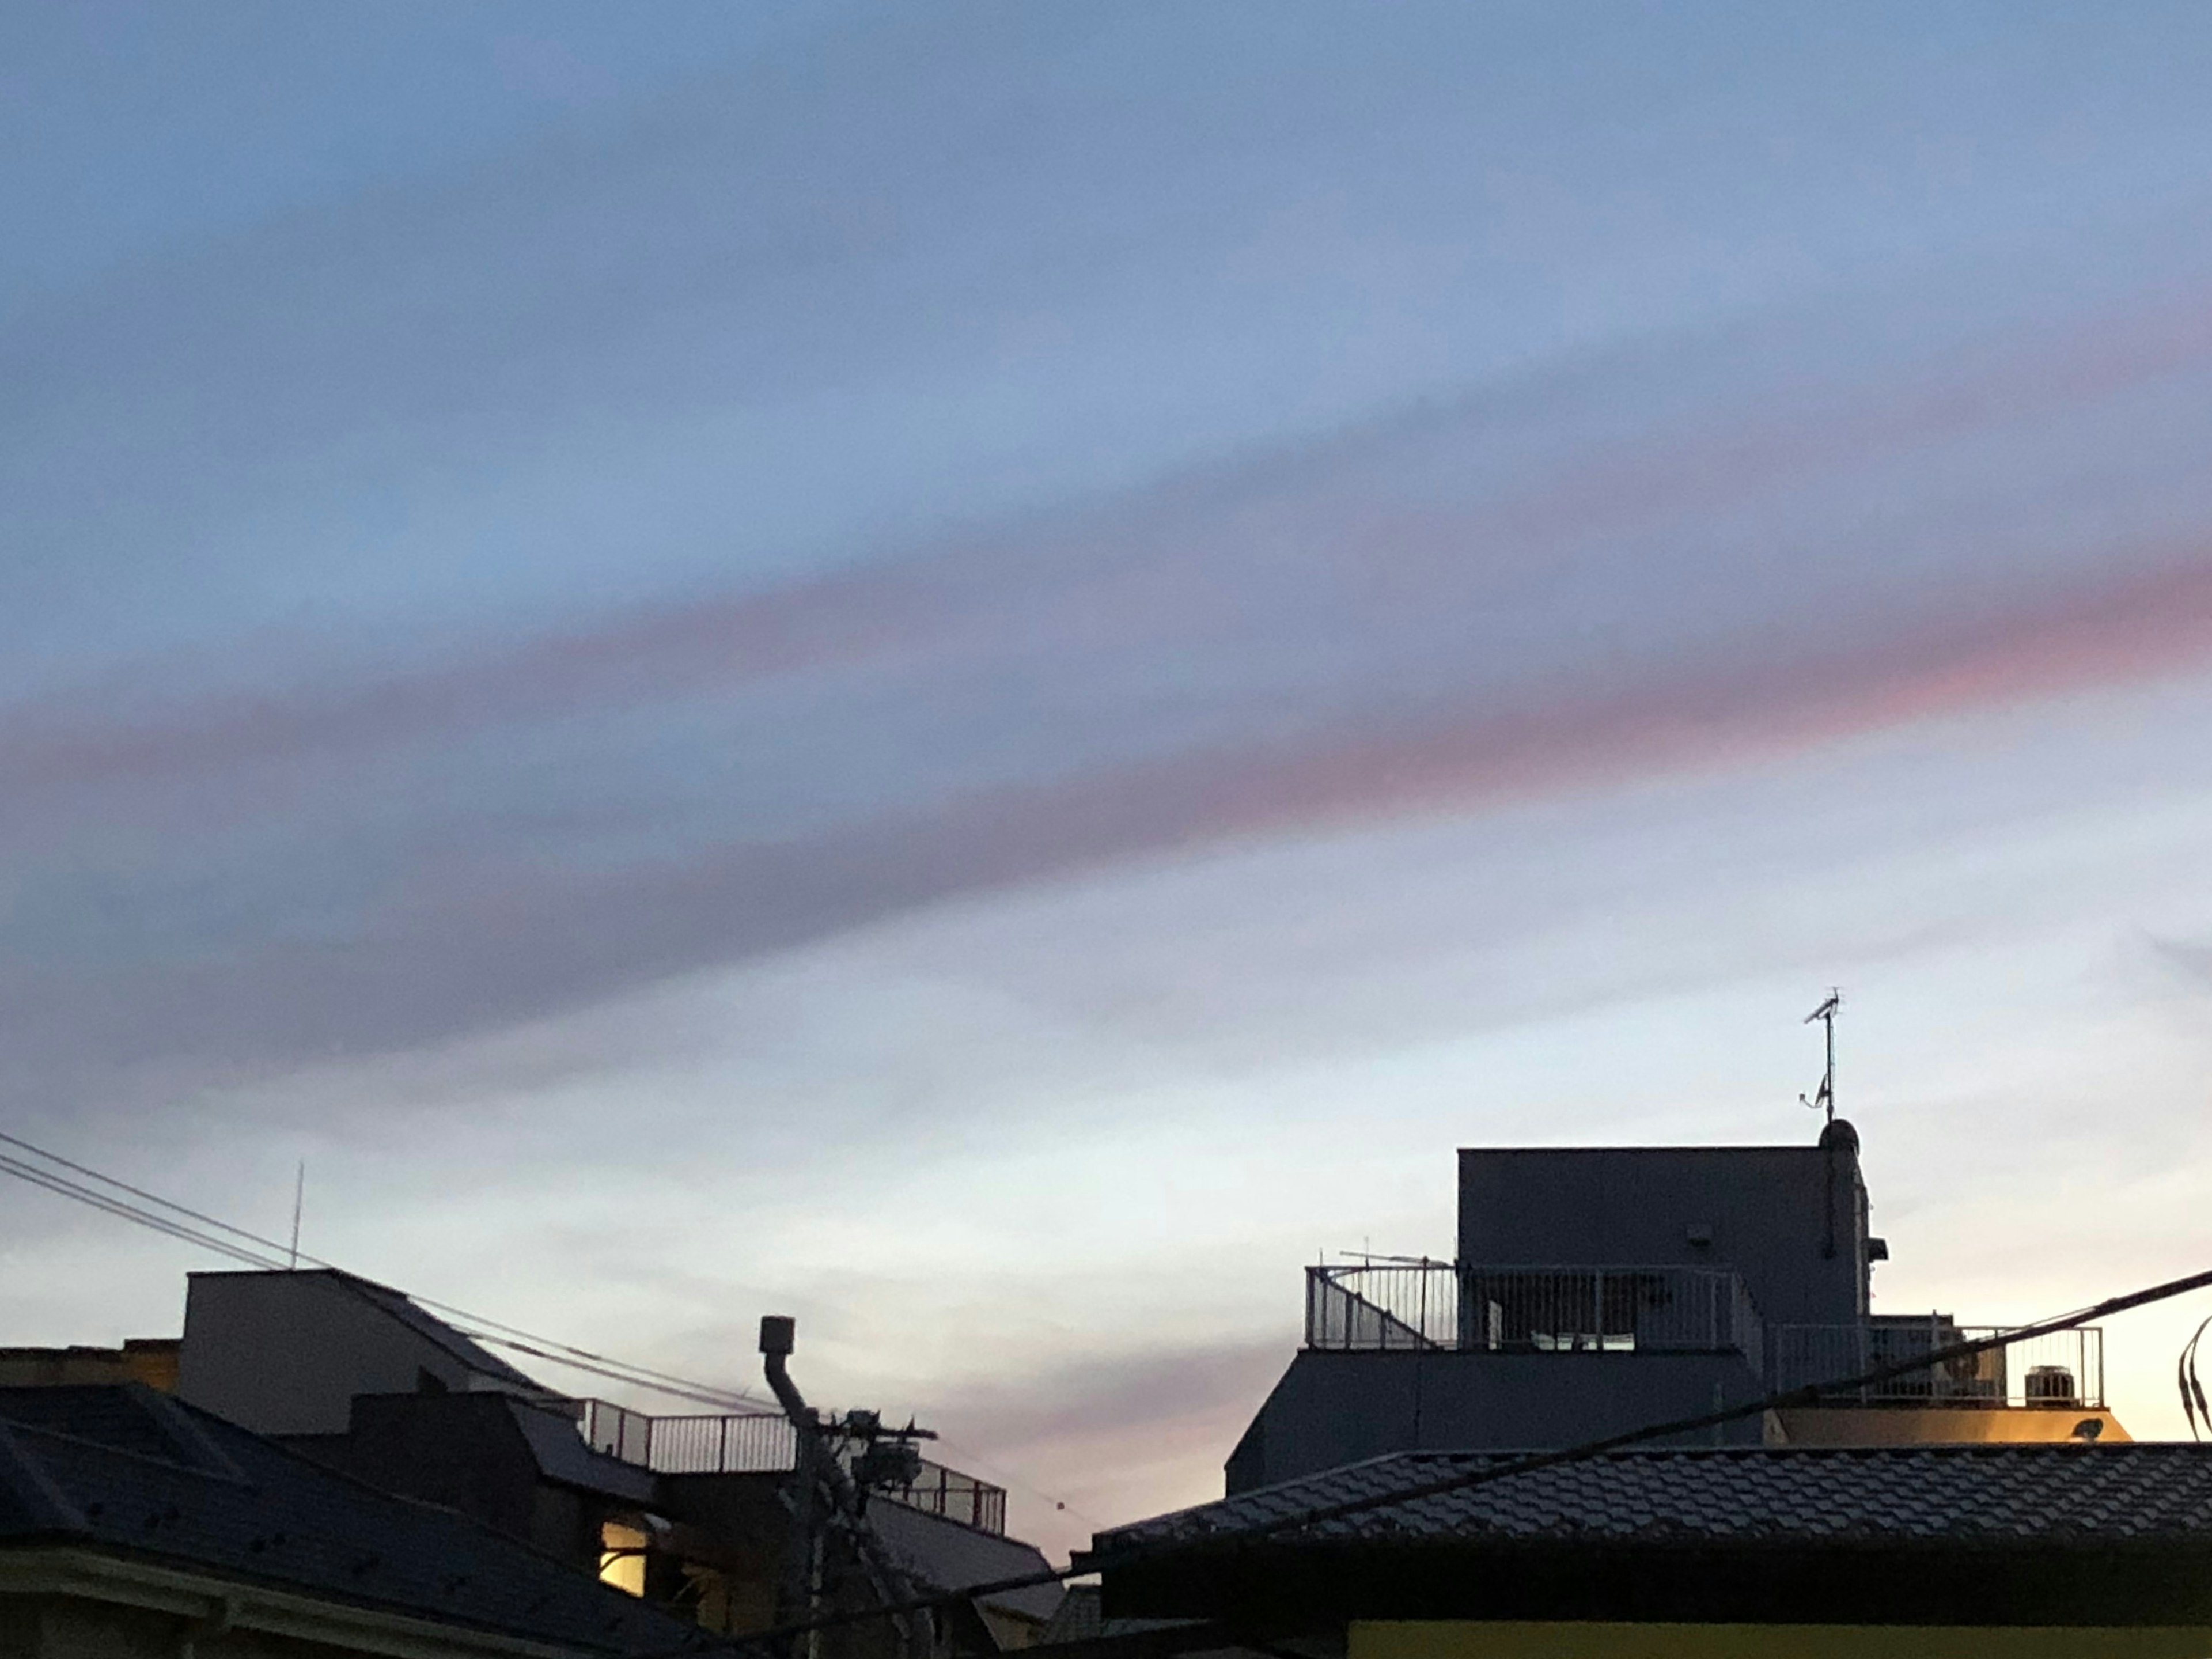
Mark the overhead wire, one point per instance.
(141, 1193)
(975, 1463)
(477, 1327)
(1227, 1537)
(67, 1188)
(2193, 1406)
(484, 1328)
(1097, 1561)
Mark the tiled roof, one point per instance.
(126, 1469)
(2048, 1494)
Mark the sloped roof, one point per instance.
(949, 1556)
(126, 1469)
(469, 1353)
(401, 1307)
(2052, 1493)
(562, 1455)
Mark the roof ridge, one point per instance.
(108, 1447)
(34, 1488)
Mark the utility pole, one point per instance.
(829, 1502)
(800, 1596)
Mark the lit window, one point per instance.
(622, 1557)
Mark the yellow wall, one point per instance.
(1934, 1425)
(151, 1360)
(1506, 1639)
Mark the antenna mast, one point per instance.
(1824, 1095)
(298, 1196)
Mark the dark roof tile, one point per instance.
(2106, 1493)
(125, 1469)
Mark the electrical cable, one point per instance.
(67, 1188)
(475, 1326)
(975, 1463)
(140, 1193)
(2194, 1398)
(2193, 1406)
(494, 1330)
(768, 1642)
(468, 1324)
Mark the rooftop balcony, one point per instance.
(764, 1442)
(1581, 1309)
(1411, 1305)
(755, 1442)
(2064, 1369)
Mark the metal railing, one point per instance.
(1425, 1304)
(750, 1443)
(765, 1443)
(1648, 1309)
(1436, 1304)
(2063, 1369)
(1383, 1305)
(955, 1496)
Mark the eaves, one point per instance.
(79, 1572)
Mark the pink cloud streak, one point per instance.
(1126, 572)
(491, 945)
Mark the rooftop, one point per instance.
(2065, 1534)
(1919, 1494)
(133, 1471)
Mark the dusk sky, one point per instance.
(984, 673)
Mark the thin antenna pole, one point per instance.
(1829, 1087)
(1825, 1013)
(298, 1196)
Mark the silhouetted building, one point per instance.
(692, 1512)
(1600, 1289)
(2071, 1551)
(131, 1524)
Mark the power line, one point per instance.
(1229, 1537)
(1219, 1537)
(272, 1256)
(280, 1257)
(66, 1189)
(140, 1193)
(974, 1462)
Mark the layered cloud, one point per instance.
(1677, 558)
(814, 576)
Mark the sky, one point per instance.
(984, 673)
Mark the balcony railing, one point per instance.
(1436, 1304)
(1383, 1305)
(1426, 1304)
(2063, 1369)
(766, 1444)
(751, 1443)
(955, 1496)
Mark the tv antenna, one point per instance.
(1824, 1095)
